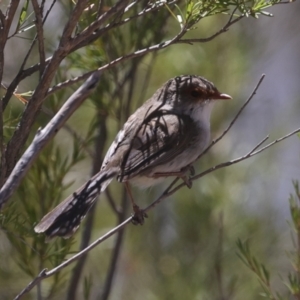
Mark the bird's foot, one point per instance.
(138, 216)
(187, 178)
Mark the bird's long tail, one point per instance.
(66, 217)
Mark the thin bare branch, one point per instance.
(49, 10)
(259, 144)
(45, 273)
(43, 136)
(90, 247)
(4, 30)
(274, 142)
(235, 118)
(40, 34)
(205, 40)
(32, 284)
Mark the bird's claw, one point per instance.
(138, 216)
(187, 179)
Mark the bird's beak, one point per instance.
(221, 96)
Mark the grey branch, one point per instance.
(43, 136)
(45, 273)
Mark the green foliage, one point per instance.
(41, 190)
(24, 23)
(193, 11)
(258, 268)
(293, 278)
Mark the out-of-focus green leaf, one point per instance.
(23, 14)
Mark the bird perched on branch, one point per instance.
(162, 138)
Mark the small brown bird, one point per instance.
(161, 139)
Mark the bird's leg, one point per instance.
(138, 214)
(182, 174)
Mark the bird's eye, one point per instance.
(195, 93)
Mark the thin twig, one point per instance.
(235, 118)
(45, 273)
(32, 284)
(4, 30)
(205, 40)
(40, 34)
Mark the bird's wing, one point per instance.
(157, 139)
(157, 142)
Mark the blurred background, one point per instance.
(187, 247)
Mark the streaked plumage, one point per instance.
(166, 134)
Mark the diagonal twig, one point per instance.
(45, 273)
(229, 23)
(235, 118)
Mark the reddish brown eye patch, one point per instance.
(195, 93)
